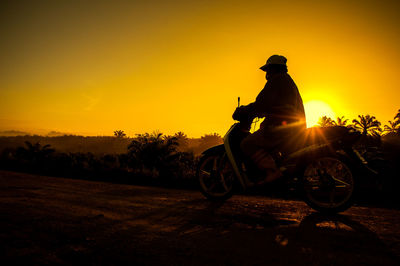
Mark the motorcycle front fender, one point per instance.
(219, 149)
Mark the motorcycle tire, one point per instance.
(328, 184)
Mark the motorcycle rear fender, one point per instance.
(311, 151)
(314, 151)
(349, 155)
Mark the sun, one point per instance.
(315, 109)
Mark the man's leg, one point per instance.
(255, 146)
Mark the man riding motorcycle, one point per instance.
(282, 106)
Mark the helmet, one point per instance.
(274, 60)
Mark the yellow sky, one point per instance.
(92, 67)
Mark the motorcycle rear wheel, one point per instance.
(215, 176)
(328, 184)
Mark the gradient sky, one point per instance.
(91, 67)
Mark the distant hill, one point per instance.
(56, 134)
(13, 133)
(99, 144)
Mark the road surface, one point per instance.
(49, 220)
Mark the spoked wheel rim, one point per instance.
(328, 183)
(215, 176)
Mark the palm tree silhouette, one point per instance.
(211, 139)
(153, 152)
(180, 134)
(34, 156)
(325, 121)
(119, 133)
(392, 128)
(397, 118)
(367, 125)
(33, 151)
(182, 140)
(340, 121)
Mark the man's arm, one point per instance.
(265, 101)
(270, 100)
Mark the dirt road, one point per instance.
(47, 220)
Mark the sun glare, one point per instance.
(315, 110)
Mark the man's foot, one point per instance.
(271, 175)
(267, 165)
(248, 182)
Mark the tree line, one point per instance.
(366, 124)
(150, 158)
(100, 145)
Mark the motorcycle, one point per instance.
(323, 166)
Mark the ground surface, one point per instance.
(47, 220)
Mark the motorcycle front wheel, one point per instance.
(215, 176)
(328, 184)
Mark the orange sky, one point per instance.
(97, 66)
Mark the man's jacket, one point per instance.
(279, 102)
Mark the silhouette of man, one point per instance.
(281, 105)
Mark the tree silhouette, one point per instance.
(397, 117)
(340, 121)
(34, 151)
(367, 125)
(34, 156)
(180, 134)
(211, 139)
(392, 128)
(182, 140)
(326, 121)
(397, 120)
(207, 141)
(154, 152)
(119, 133)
